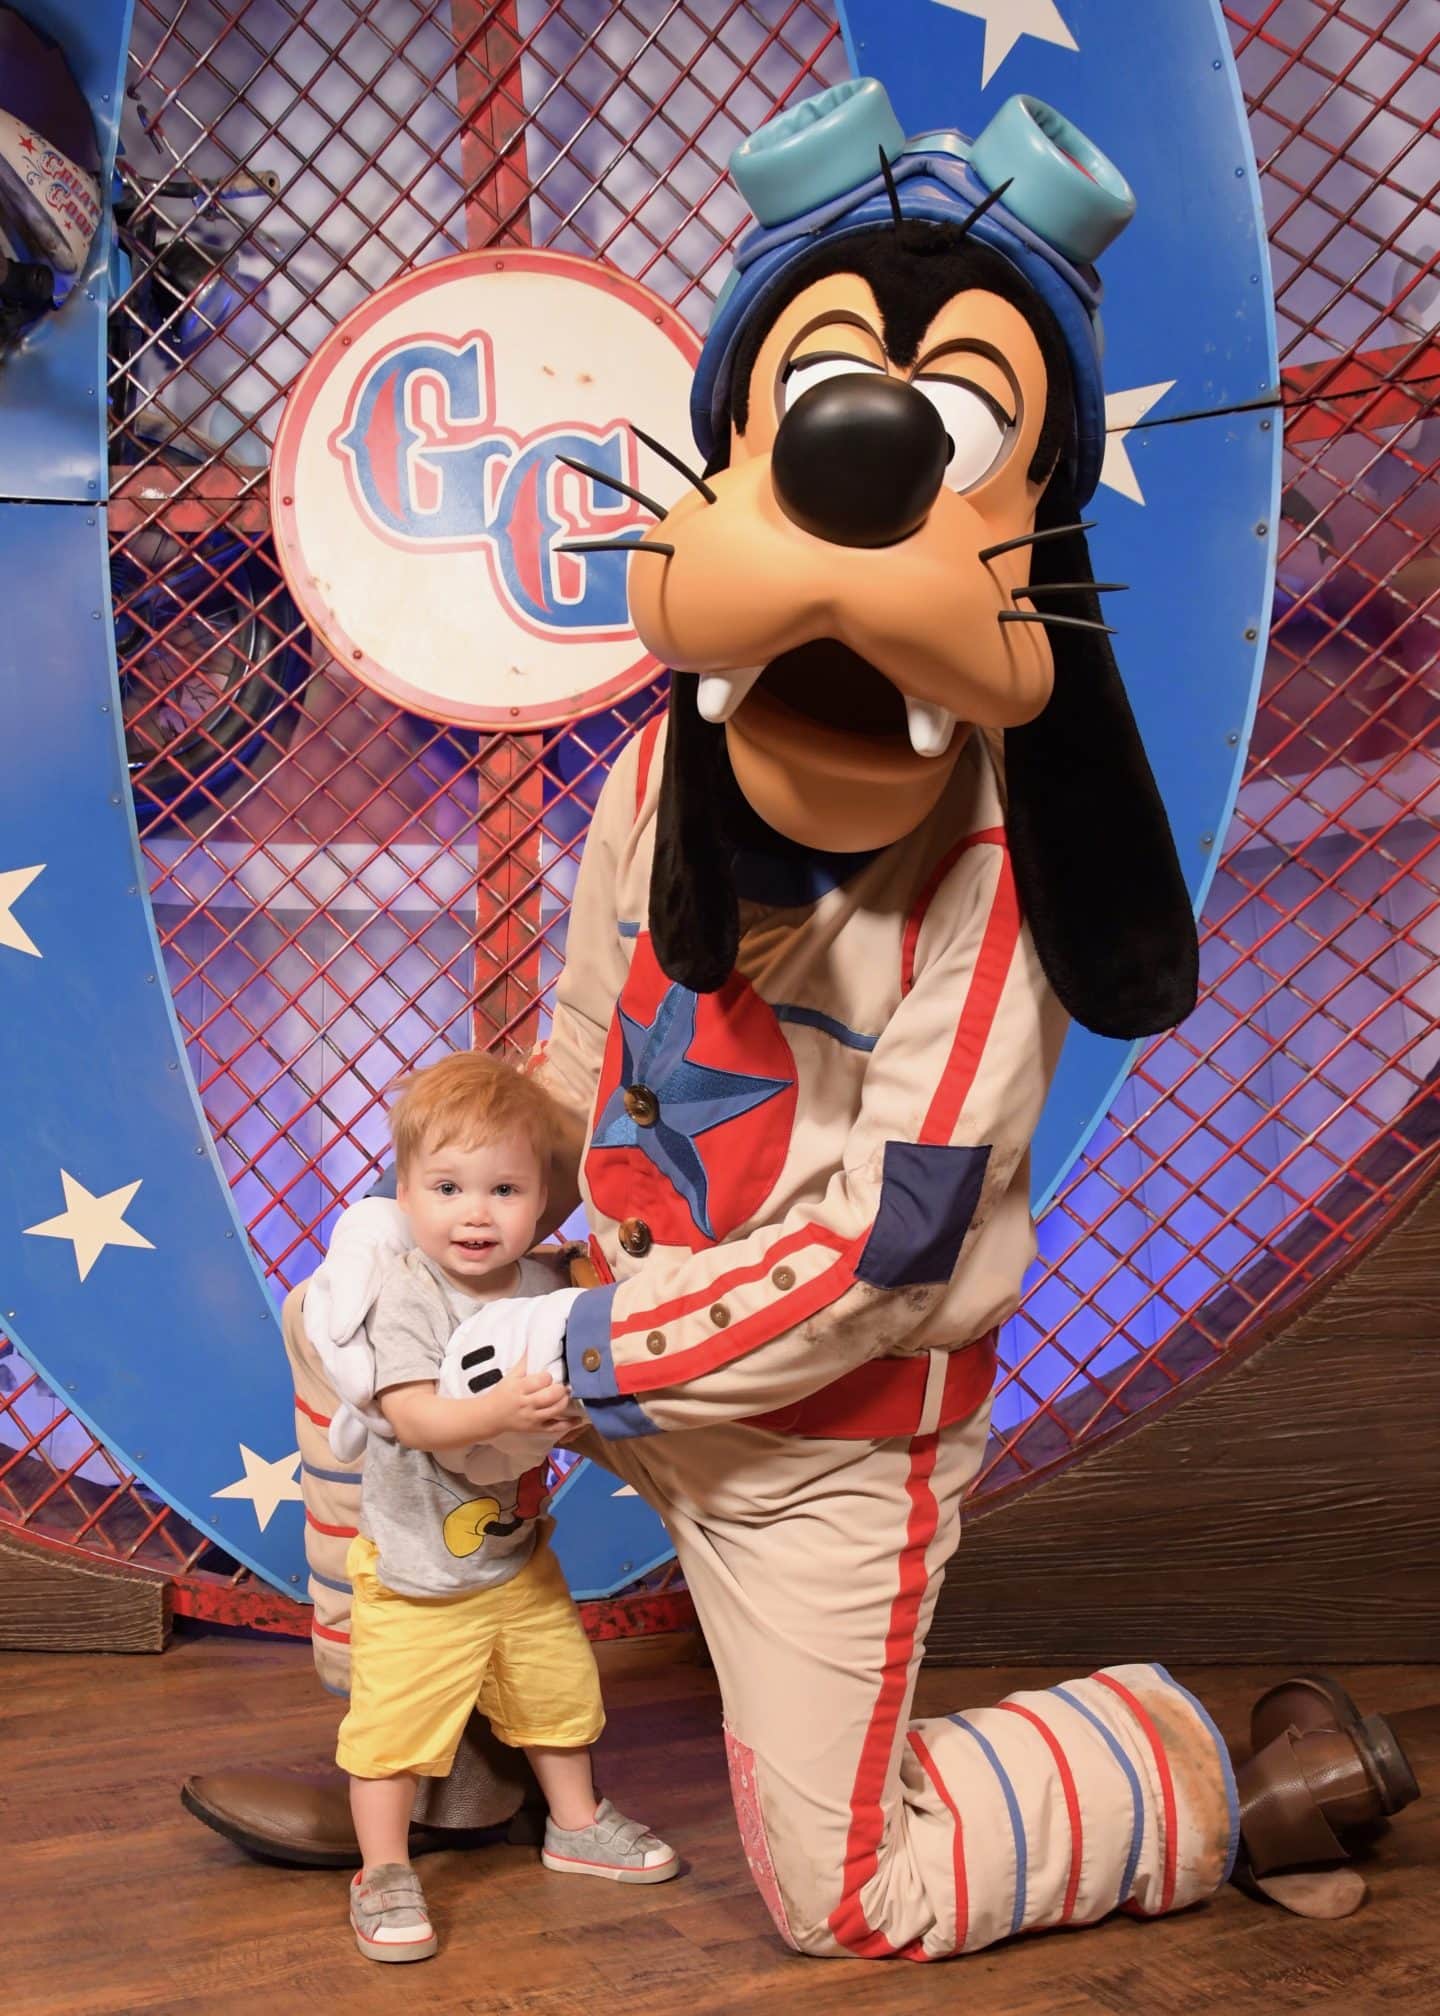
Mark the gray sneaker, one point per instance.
(388, 1915)
(624, 1850)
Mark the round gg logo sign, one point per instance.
(422, 503)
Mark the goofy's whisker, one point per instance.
(612, 483)
(1072, 587)
(1055, 621)
(617, 546)
(669, 455)
(1034, 538)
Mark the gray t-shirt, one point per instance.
(437, 1532)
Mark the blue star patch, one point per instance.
(694, 1098)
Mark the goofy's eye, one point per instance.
(803, 374)
(976, 423)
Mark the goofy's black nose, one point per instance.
(859, 459)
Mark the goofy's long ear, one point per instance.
(694, 917)
(1095, 862)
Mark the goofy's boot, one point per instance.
(304, 1818)
(1320, 1770)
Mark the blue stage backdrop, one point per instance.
(127, 1277)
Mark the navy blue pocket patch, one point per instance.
(928, 1197)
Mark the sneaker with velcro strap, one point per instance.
(388, 1914)
(623, 1850)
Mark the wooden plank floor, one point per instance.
(117, 1902)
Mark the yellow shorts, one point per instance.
(419, 1664)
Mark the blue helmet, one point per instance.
(812, 175)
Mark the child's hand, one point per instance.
(529, 1403)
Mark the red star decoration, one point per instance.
(28, 145)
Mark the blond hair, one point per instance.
(466, 1100)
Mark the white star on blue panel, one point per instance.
(694, 1098)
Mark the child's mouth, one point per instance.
(476, 1246)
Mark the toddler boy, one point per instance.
(458, 1599)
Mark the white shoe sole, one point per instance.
(392, 1952)
(572, 1865)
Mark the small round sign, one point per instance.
(420, 498)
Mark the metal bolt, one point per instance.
(1239, 171)
(1216, 64)
(90, 520)
(131, 890)
(1207, 839)
(139, 1455)
(11, 1314)
(230, 1234)
(104, 706)
(627, 1567)
(1251, 634)
(149, 979)
(294, 1578)
(200, 1150)
(1233, 739)
(287, 500)
(69, 1385)
(94, 615)
(357, 654)
(172, 1065)
(113, 799)
(1264, 426)
(1261, 529)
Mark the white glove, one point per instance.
(340, 1295)
(526, 1331)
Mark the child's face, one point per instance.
(473, 1210)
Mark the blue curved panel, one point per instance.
(1187, 507)
(125, 1277)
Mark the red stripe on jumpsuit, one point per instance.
(977, 1018)
(1167, 1798)
(1072, 1807)
(739, 1277)
(867, 1816)
(957, 1847)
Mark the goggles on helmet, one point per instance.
(812, 175)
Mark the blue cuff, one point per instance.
(587, 1334)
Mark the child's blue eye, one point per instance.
(504, 1189)
(446, 1189)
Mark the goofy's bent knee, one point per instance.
(331, 1491)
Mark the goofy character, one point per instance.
(829, 925)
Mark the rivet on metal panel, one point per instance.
(1207, 839)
